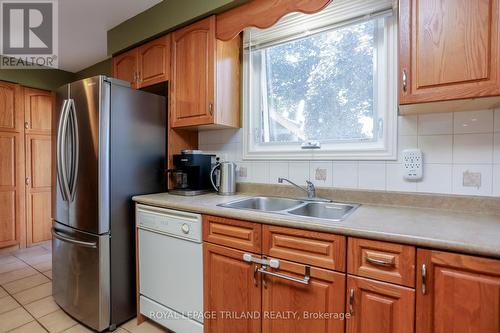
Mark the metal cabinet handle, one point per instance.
(255, 271)
(405, 80)
(351, 301)
(380, 262)
(211, 108)
(424, 279)
(305, 280)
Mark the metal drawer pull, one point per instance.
(73, 241)
(424, 279)
(305, 280)
(380, 262)
(351, 302)
(405, 80)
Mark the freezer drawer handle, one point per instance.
(73, 241)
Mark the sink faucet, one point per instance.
(310, 189)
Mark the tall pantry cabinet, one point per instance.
(25, 165)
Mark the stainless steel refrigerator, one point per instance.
(111, 144)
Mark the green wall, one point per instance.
(101, 68)
(161, 18)
(48, 79)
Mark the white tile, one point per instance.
(243, 172)
(277, 170)
(260, 172)
(395, 180)
(436, 148)
(497, 120)
(496, 180)
(320, 173)
(486, 179)
(435, 123)
(371, 175)
(407, 125)
(473, 122)
(405, 142)
(208, 137)
(496, 149)
(345, 174)
(473, 148)
(298, 172)
(436, 179)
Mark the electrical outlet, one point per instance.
(412, 164)
(320, 174)
(472, 179)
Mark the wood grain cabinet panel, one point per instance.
(38, 111)
(384, 261)
(308, 247)
(323, 295)
(125, 67)
(230, 287)
(12, 231)
(205, 77)
(154, 62)
(449, 49)
(193, 74)
(457, 293)
(242, 235)
(379, 307)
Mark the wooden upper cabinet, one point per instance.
(199, 61)
(193, 74)
(154, 62)
(38, 110)
(125, 67)
(379, 307)
(230, 285)
(457, 293)
(449, 49)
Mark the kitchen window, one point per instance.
(323, 85)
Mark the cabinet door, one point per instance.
(193, 67)
(231, 289)
(125, 67)
(299, 307)
(457, 293)
(379, 307)
(37, 111)
(449, 49)
(38, 188)
(154, 62)
(11, 166)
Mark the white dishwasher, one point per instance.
(170, 268)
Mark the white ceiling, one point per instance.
(83, 25)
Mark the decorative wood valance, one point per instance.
(262, 14)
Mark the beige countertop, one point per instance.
(461, 232)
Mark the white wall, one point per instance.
(452, 143)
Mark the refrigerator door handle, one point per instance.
(67, 239)
(60, 151)
(75, 143)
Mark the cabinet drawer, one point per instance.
(304, 246)
(388, 262)
(238, 234)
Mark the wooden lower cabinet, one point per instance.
(379, 306)
(457, 293)
(231, 291)
(288, 306)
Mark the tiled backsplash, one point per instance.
(452, 144)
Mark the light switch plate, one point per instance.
(412, 164)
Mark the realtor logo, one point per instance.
(29, 33)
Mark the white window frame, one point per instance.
(387, 63)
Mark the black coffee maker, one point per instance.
(191, 175)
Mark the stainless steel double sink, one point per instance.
(331, 211)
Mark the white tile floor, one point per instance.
(26, 303)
